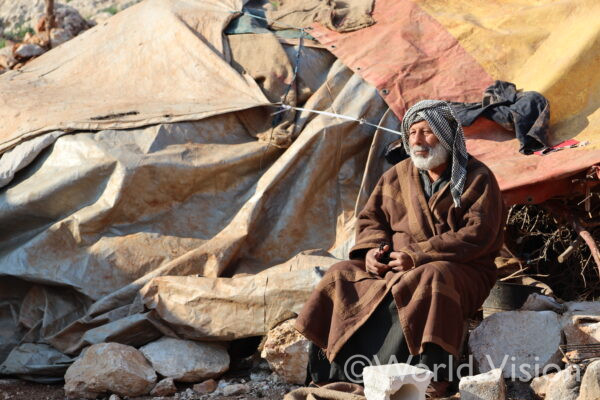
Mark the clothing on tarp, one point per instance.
(452, 249)
(525, 113)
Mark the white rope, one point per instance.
(361, 121)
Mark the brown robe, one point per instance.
(453, 250)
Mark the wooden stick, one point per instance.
(49, 20)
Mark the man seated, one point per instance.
(423, 261)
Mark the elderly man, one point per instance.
(423, 261)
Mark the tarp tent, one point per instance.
(142, 163)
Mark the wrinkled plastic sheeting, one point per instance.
(36, 362)
(12, 293)
(157, 61)
(202, 308)
(104, 213)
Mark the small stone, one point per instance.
(487, 386)
(540, 384)
(395, 381)
(590, 384)
(286, 350)
(114, 397)
(564, 385)
(165, 387)
(513, 340)
(208, 386)
(109, 368)
(59, 36)
(234, 389)
(186, 360)
(24, 51)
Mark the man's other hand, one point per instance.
(400, 261)
(372, 263)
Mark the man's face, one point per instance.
(426, 151)
(421, 135)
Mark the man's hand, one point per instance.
(400, 261)
(372, 263)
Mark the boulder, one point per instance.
(66, 18)
(540, 384)
(208, 386)
(165, 387)
(590, 384)
(186, 360)
(28, 50)
(487, 386)
(524, 344)
(58, 36)
(109, 368)
(564, 385)
(286, 351)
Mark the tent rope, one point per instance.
(361, 121)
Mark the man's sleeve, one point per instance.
(372, 225)
(480, 232)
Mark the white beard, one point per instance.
(436, 156)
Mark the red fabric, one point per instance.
(408, 54)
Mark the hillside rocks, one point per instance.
(16, 14)
(109, 368)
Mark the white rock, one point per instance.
(540, 384)
(524, 344)
(234, 389)
(286, 351)
(564, 385)
(165, 387)
(186, 360)
(487, 386)
(109, 368)
(590, 384)
(25, 51)
(395, 381)
(114, 397)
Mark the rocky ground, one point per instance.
(23, 34)
(254, 386)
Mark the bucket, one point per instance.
(506, 296)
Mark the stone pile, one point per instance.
(524, 345)
(156, 368)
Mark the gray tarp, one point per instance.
(97, 215)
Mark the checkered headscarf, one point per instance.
(448, 130)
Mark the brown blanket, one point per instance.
(453, 250)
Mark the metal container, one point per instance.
(506, 296)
